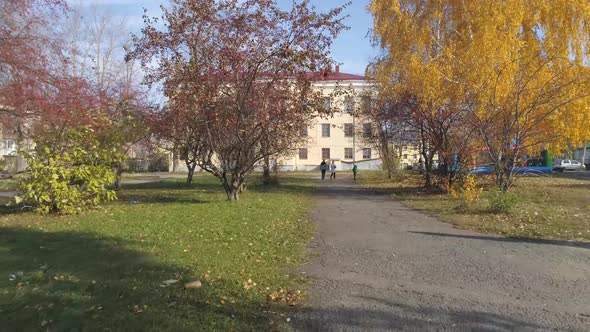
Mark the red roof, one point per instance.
(343, 77)
(338, 76)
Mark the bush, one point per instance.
(501, 201)
(467, 191)
(158, 162)
(69, 171)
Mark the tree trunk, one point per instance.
(388, 158)
(118, 174)
(233, 194)
(427, 178)
(584, 155)
(504, 178)
(174, 164)
(232, 188)
(504, 175)
(236, 187)
(191, 171)
(428, 157)
(243, 187)
(266, 179)
(175, 160)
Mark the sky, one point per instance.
(352, 49)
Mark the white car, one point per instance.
(561, 165)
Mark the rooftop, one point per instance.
(336, 75)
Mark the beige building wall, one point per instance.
(409, 155)
(338, 140)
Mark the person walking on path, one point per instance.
(354, 171)
(332, 170)
(323, 168)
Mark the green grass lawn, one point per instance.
(556, 207)
(104, 269)
(8, 184)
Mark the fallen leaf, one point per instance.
(193, 284)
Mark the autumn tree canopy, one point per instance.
(238, 74)
(514, 71)
(49, 106)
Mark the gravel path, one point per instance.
(382, 267)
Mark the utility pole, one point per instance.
(353, 138)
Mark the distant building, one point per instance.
(409, 155)
(10, 160)
(338, 137)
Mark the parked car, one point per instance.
(561, 165)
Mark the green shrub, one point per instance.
(69, 171)
(501, 201)
(158, 162)
(466, 191)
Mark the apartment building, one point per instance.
(338, 138)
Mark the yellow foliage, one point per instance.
(468, 191)
(522, 66)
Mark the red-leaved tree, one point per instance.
(238, 76)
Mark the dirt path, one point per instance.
(381, 267)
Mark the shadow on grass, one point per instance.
(6, 210)
(582, 175)
(385, 315)
(79, 281)
(212, 184)
(177, 191)
(585, 245)
(173, 184)
(156, 197)
(585, 185)
(372, 193)
(290, 185)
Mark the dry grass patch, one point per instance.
(555, 207)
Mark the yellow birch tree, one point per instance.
(518, 67)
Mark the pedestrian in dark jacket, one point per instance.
(323, 168)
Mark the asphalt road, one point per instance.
(383, 267)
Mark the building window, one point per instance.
(327, 103)
(348, 130)
(367, 153)
(348, 104)
(303, 132)
(348, 153)
(325, 130)
(325, 153)
(367, 130)
(415, 156)
(303, 154)
(404, 147)
(405, 156)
